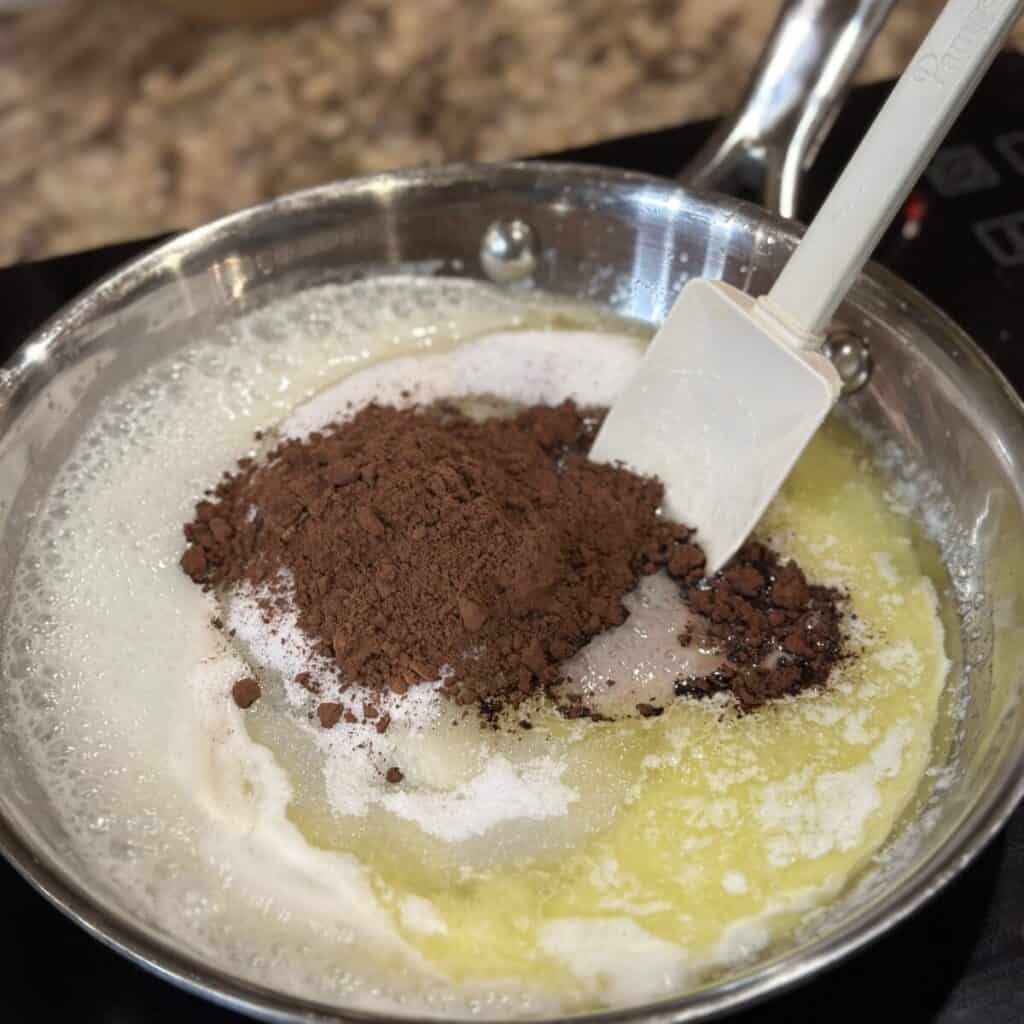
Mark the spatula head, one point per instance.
(720, 409)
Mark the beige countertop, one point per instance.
(120, 118)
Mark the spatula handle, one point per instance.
(897, 147)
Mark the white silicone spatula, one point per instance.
(732, 388)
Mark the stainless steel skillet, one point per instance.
(626, 241)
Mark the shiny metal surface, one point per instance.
(949, 424)
(851, 357)
(508, 251)
(792, 99)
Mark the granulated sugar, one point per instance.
(357, 755)
(502, 792)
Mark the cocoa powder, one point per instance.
(420, 543)
(778, 633)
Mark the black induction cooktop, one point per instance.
(960, 959)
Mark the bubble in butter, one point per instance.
(571, 867)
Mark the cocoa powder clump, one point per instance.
(329, 713)
(245, 692)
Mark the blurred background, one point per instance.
(123, 118)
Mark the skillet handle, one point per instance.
(793, 97)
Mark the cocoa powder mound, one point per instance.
(420, 540)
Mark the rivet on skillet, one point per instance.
(851, 357)
(508, 251)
